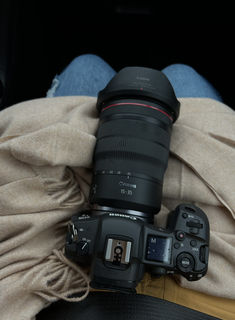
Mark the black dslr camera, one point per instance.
(116, 236)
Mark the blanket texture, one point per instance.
(46, 148)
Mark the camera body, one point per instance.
(120, 246)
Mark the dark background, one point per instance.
(38, 39)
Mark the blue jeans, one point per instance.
(88, 74)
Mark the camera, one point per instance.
(116, 236)
(120, 246)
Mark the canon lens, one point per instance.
(137, 109)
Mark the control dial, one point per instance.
(185, 262)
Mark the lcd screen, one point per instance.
(159, 249)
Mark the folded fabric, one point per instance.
(46, 148)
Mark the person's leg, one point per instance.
(188, 83)
(88, 74)
(85, 75)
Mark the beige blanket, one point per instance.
(46, 148)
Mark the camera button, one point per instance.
(177, 245)
(193, 243)
(194, 230)
(185, 262)
(180, 235)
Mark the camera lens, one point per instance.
(137, 109)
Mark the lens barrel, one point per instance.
(137, 109)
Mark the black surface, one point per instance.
(115, 306)
(38, 39)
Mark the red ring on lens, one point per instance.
(137, 104)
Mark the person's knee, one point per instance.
(88, 59)
(179, 69)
